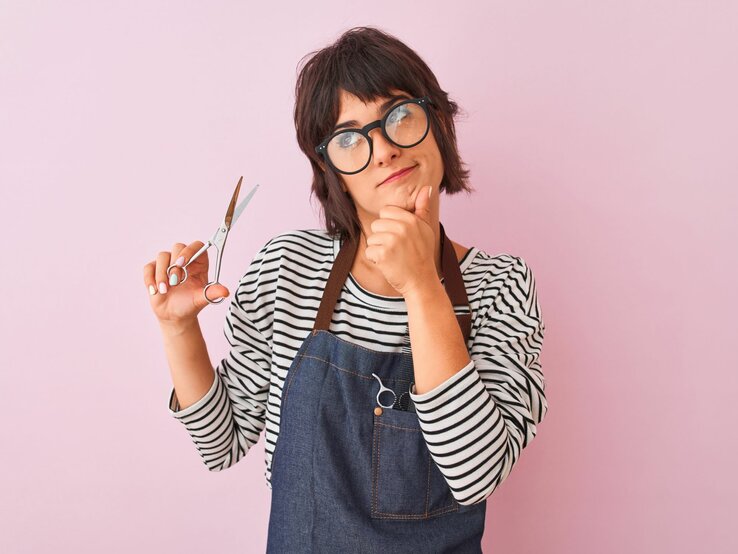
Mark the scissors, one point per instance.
(219, 240)
(382, 389)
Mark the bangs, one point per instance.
(368, 72)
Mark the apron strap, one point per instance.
(453, 282)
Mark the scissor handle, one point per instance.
(382, 389)
(219, 242)
(405, 402)
(205, 293)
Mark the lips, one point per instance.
(398, 174)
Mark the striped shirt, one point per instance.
(475, 423)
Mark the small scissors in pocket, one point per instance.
(219, 240)
(382, 389)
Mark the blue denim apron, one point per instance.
(347, 474)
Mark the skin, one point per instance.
(382, 210)
(400, 245)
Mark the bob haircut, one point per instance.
(367, 63)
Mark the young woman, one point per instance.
(395, 371)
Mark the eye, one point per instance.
(398, 114)
(347, 140)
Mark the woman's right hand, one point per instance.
(182, 302)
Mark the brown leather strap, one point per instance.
(450, 270)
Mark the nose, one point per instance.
(383, 151)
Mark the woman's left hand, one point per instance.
(402, 243)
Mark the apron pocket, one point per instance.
(406, 483)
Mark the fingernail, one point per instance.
(152, 290)
(179, 261)
(162, 288)
(173, 279)
(430, 189)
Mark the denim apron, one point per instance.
(347, 474)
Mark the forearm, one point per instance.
(436, 339)
(189, 362)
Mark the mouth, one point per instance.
(398, 175)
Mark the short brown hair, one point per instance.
(367, 63)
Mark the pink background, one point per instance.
(602, 141)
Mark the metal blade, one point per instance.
(242, 205)
(229, 212)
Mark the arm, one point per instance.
(477, 421)
(224, 410)
(437, 342)
(189, 363)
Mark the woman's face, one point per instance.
(364, 187)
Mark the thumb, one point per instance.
(422, 204)
(214, 292)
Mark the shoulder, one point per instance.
(289, 262)
(302, 246)
(495, 266)
(302, 239)
(507, 280)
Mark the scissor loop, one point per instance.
(205, 292)
(382, 389)
(183, 268)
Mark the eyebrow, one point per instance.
(382, 108)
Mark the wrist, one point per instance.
(178, 327)
(428, 289)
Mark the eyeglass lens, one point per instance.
(405, 125)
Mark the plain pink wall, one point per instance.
(602, 142)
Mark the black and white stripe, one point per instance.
(475, 423)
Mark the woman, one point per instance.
(371, 445)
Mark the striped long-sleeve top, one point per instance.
(475, 423)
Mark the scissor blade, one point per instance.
(229, 212)
(242, 205)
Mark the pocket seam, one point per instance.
(376, 460)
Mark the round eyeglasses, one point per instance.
(406, 124)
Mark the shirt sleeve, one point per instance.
(227, 421)
(477, 421)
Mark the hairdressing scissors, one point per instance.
(382, 389)
(219, 240)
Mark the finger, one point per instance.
(387, 226)
(395, 212)
(177, 250)
(149, 277)
(378, 239)
(372, 253)
(160, 274)
(184, 255)
(214, 292)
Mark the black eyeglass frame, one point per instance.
(322, 148)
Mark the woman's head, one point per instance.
(351, 80)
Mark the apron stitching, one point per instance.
(390, 425)
(427, 489)
(438, 511)
(346, 370)
(375, 465)
(335, 336)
